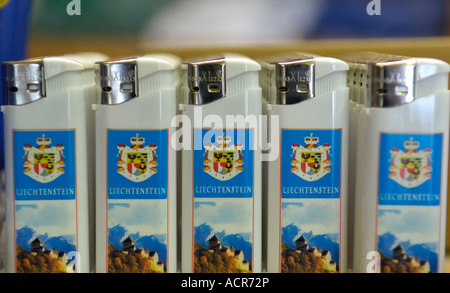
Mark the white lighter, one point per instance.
(221, 192)
(47, 146)
(401, 116)
(307, 182)
(136, 166)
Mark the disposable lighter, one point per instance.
(14, 21)
(47, 166)
(221, 192)
(136, 166)
(307, 182)
(402, 115)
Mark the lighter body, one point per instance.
(47, 146)
(401, 114)
(307, 177)
(136, 198)
(221, 178)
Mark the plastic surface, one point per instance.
(295, 193)
(150, 220)
(222, 222)
(428, 115)
(401, 178)
(14, 20)
(49, 188)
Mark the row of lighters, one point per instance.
(290, 163)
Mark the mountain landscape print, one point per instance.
(137, 238)
(408, 239)
(310, 236)
(64, 243)
(45, 237)
(223, 236)
(302, 251)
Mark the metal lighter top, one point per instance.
(117, 80)
(27, 81)
(209, 79)
(24, 81)
(121, 80)
(382, 80)
(291, 78)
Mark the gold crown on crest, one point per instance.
(137, 139)
(411, 144)
(224, 140)
(311, 140)
(43, 140)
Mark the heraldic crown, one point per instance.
(137, 142)
(411, 145)
(223, 141)
(43, 142)
(311, 141)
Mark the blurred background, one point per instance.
(184, 27)
(186, 22)
(118, 28)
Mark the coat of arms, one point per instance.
(312, 161)
(410, 167)
(44, 163)
(137, 162)
(223, 161)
